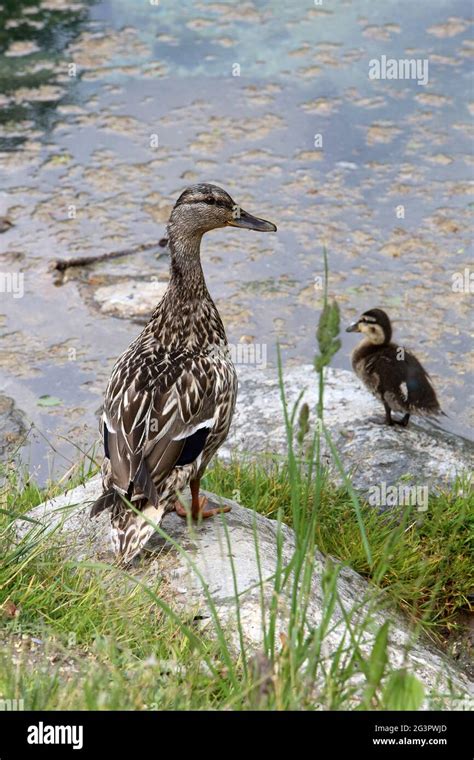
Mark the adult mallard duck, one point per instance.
(171, 395)
(390, 372)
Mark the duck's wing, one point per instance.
(157, 415)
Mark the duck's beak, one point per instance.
(354, 327)
(248, 222)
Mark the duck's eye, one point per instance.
(210, 201)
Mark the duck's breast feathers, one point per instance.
(158, 411)
(401, 380)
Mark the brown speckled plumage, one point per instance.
(171, 395)
(393, 374)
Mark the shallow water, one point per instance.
(83, 141)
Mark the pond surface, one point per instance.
(109, 109)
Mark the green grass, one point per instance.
(99, 649)
(103, 650)
(422, 559)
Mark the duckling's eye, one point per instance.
(210, 201)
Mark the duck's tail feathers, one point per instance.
(106, 501)
(435, 412)
(132, 531)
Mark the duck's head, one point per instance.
(205, 207)
(375, 325)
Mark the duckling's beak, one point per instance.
(249, 222)
(354, 327)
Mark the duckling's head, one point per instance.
(375, 325)
(205, 207)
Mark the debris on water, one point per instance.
(46, 400)
(80, 261)
(346, 165)
(20, 48)
(5, 224)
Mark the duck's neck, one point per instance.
(185, 269)
(186, 315)
(366, 347)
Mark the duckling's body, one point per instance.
(171, 396)
(393, 374)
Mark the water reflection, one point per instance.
(33, 68)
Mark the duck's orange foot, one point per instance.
(204, 513)
(199, 509)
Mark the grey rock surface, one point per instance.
(207, 546)
(371, 451)
(130, 299)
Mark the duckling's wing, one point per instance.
(420, 391)
(403, 380)
(156, 418)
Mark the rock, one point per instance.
(206, 545)
(372, 452)
(130, 299)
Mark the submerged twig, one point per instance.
(60, 265)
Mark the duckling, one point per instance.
(390, 372)
(171, 395)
